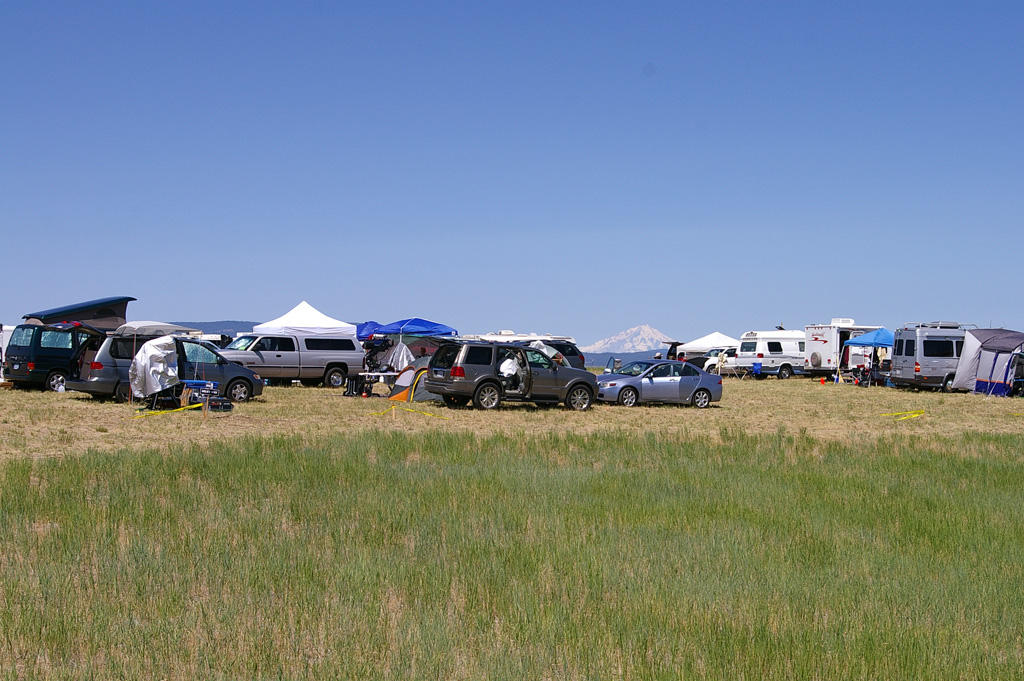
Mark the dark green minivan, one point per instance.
(40, 357)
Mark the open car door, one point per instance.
(85, 339)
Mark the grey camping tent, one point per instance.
(991, 362)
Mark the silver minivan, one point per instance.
(925, 354)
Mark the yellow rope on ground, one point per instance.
(412, 411)
(904, 415)
(167, 411)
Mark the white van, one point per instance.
(771, 352)
(825, 346)
(925, 354)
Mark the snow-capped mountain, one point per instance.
(638, 339)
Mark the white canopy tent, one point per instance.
(306, 320)
(713, 340)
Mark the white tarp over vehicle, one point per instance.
(306, 320)
(155, 367)
(713, 340)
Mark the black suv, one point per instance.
(488, 372)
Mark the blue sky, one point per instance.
(578, 168)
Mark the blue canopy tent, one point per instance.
(366, 329)
(416, 327)
(879, 338)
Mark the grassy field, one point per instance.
(50, 424)
(304, 537)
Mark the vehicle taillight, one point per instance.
(31, 366)
(95, 366)
(760, 355)
(719, 380)
(583, 360)
(458, 372)
(917, 367)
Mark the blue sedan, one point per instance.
(659, 381)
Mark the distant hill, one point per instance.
(228, 327)
(637, 339)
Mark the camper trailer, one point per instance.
(925, 354)
(771, 352)
(825, 346)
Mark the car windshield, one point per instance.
(241, 343)
(635, 368)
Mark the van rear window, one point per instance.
(127, 348)
(937, 348)
(898, 350)
(910, 349)
(22, 337)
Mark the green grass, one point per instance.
(435, 555)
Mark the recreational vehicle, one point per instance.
(925, 354)
(825, 346)
(771, 352)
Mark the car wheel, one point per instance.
(123, 392)
(628, 397)
(453, 402)
(56, 381)
(579, 398)
(487, 396)
(334, 378)
(238, 390)
(785, 372)
(702, 399)
(947, 385)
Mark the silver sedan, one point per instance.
(660, 381)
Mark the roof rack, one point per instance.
(938, 325)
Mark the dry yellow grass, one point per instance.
(48, 424)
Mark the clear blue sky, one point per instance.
(576, 168)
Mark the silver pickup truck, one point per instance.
(282, 358)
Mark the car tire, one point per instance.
(947, 385)
(785, 371)
(334, 378)
(238, 390)
(122, 393)
(629, 397)
(454, 402)
(701, 399)
(487, 396)
(579, 398)
(55, 381)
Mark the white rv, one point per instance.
(825, 351)
(771, 352)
